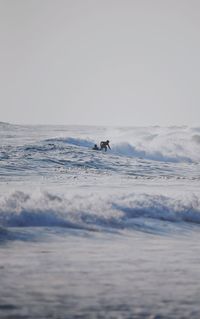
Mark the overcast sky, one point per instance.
(107, 62)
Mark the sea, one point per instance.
(88, 234)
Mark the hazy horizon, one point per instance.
(108, 63)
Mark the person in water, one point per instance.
(95, 147)
(104, 145)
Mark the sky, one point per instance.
(100, 62)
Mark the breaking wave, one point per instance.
(170, 145)
(96, 213)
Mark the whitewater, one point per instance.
(94, 234)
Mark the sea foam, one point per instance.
(93, 212)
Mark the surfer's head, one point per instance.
(107, 141)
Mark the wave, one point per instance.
(166, 144)
(131, 151)
(39, 148)
(7, 234)
(73, 141)
(143, 212)
(158, 144)
(119, 149)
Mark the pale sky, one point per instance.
(101, 62)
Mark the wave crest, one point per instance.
(168, 152)
(95, 212)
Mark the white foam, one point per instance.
(169, 144)
(94, 211)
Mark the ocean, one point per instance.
(93, 234)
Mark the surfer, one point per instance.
(104, 145)
(95, 148)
